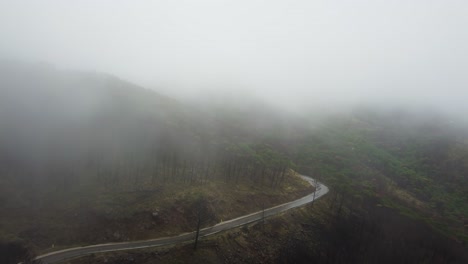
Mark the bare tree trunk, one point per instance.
(198, 231)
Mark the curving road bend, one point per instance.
(57, 256)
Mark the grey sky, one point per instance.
(294, 52)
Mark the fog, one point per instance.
(296, 54)
(130, 124)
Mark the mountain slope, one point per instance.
(417, 164)
(87, 158)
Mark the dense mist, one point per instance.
(130, 124)
(296, 54)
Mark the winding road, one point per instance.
(54, 257)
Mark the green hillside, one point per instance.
(416, 165)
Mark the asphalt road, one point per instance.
(58, 256)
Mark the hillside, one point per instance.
(398, 195)
(88, 158)
(414, 163)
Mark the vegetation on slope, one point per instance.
(419, 167)
(83, 157)
(104, 155)
(312, 234)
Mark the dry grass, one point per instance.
(99, 217)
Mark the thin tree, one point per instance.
(198, 231)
